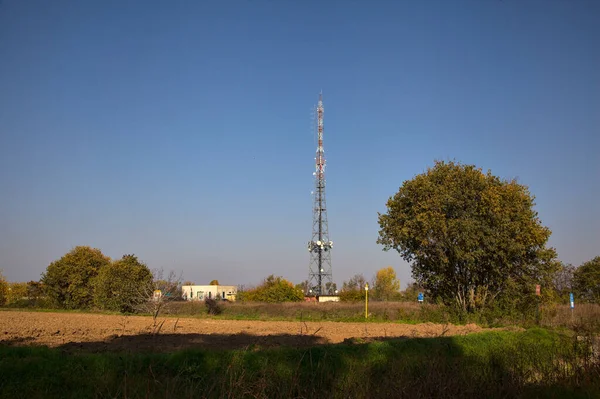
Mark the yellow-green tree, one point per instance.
(16, 291)
(68, 281)
(386, 285)
(472, 238)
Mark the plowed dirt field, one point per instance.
(96, 332)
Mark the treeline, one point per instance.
(85, 278)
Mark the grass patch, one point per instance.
(535, 363)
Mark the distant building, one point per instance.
(328, 298)
(201, 292)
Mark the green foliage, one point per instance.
(531, 364)
(411, 293)
(273, 289)
(586, 279)
(352, 295)
(123, 285)
(303, 286)
(16, 291)
(35, 290)
(3, 290)
(386, 285)
(471, 237)
(67, 281)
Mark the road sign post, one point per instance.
(572, 301)
(420, 297)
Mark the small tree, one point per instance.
(274, 289)
(563, 280)
(303, 286)
(3, 290)
(156, 297)
(386, 286)
(330, 288)
(16, 292)
(117, 285)
(586, 280)
(353, 290)
(67, 281)
(357, 282)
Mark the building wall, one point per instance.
(329, 298)
(201, 292)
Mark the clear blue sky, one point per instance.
(180, 130)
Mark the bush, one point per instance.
(273, 289)
(212, 307)
(122, 285)
(352, 295)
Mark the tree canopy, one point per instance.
(123, 285)
(586, 279)
(67, 281)
(469, 235)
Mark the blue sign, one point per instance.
(420, 297)
(572, 300)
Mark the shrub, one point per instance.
(122, 285)
(212, 307)
(274, 289)
(353, 295)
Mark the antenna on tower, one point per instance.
(319, 269)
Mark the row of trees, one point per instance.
(85, 278)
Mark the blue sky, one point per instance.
(180, 130)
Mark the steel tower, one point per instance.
(319, 269)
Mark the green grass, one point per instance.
(536, 363)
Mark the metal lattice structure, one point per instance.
(319, 269)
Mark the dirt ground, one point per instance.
(96, 332)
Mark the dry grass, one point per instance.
(585, 317)
(310, 311)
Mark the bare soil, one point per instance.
(97, 332)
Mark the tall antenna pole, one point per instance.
(319, 273)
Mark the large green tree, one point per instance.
(586, 280)
(67, 281)
(123, 285)
(471, 236)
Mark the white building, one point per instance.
(201, 292)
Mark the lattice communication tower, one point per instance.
(319, 269)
